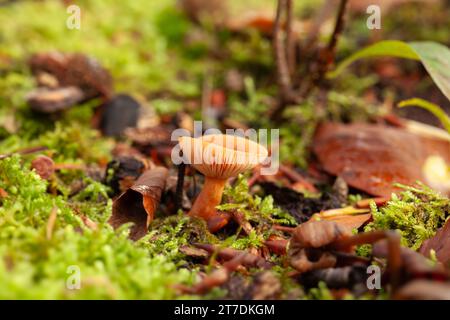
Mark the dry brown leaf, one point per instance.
(138, 203)
(348, 221)
(440, 243)
(414, 265)
(307, 247)
(374, 157)
(74, 69)
(385, 5)
(424, 290)
(44, 166)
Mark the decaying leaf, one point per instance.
(122, 172)
(385, 5)
(138, 203)
(194, 252)
(265, 286)
(424, 290)
(74, 69)
(44, 166)
(53, 100)
(120, 113)
(413, 264)
(153, 136)
(350, 221)
(374, 157)
(440, 243)
(307, 248)
(249, 260)
(350, 277)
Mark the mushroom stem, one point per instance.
(210, 196)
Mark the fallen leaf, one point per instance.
(44, 166)
(138, 203)
(54, 100)
(307, 248)
(350, 221)
(374, 157)
(119, 113)
(440, 243)
(350, 277)
(423, 290)
(413, 264)
(385, 5)
(74, 69)
(122, 172)
(249, 260)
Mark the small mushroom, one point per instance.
(218, 157)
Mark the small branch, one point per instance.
(339, 26)
(327, 56)
(284, 54)
(242, 221)
(283, 77)
(290, 41)
(394, 257)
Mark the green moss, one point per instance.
(416, 213)
(33, 265)
(170, 233)
(260, 212)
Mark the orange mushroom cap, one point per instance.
(222, 156)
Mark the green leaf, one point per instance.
(435, 58)
(431, 107)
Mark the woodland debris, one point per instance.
(44, 166)
(194, 252)
(54, 100)
(122, 172)
(440, 244)
(308, 240)
(216, 278)
(249, 260)
(349, 277)
(265, 286)
(424, 290)
(353, 220)
(119, 113)
(365, 203)
(51, 223)
(374, 157)
(74, 70)
(296, 204)
(413, 265)
(138, 204)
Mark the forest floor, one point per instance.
(77, 133)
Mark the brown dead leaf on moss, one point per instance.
(138, 204)
(440, 244)
(373, 158)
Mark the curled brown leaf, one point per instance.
(139, 202)
(308, 245)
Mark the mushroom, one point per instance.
(218, 157)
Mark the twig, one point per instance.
(242, 221)
(283, 60)
(283, 77)
(290, 44)
(24, 152)
(394, 258)
(327, 56)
